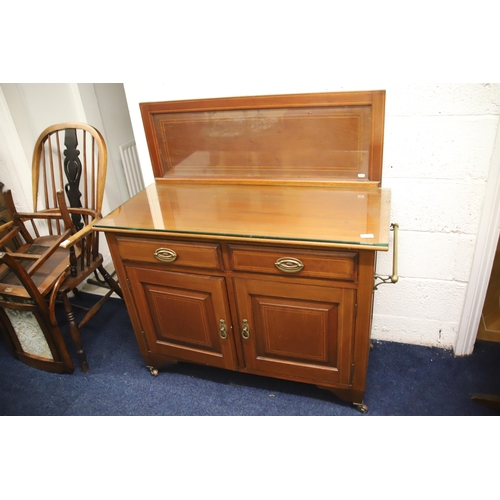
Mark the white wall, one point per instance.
(14, 164)
(438, 150)
(117, 129)
(439, 142)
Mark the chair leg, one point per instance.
(111, 282)
(75, 334)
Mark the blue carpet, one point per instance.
(402, 380)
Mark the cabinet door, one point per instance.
(297, 331)
(181, 315)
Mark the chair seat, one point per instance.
(45, 277)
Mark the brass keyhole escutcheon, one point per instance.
(245, 329)
(222, 329)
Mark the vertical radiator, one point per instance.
(131, 167)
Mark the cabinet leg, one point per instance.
(361, 407)
(349, 396)
(153, 370)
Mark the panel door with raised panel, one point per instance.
(296, 331)
(181, 315)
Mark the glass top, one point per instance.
(324, 215)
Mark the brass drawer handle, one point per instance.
(245, 329)
(165, 255)
(289, 265)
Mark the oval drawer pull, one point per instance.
(289, 265)
(165, 254)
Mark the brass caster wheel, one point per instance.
(153, 370)
(371, 346)
(362, 408)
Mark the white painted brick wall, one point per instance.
(433, 147)
(439, 140)
(439, 99)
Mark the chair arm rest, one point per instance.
(45, 214)
(6, 225)
(79, 235)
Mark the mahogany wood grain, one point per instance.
(207, 256)
(324, 137)
(299, 331)
(181, 313)
(328, 265)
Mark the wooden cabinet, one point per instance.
(283, 324)
(255, 248)
(181, 308)
(299, 331)
(182, 315)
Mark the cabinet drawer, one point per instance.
(170, 253)
(304, 263)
